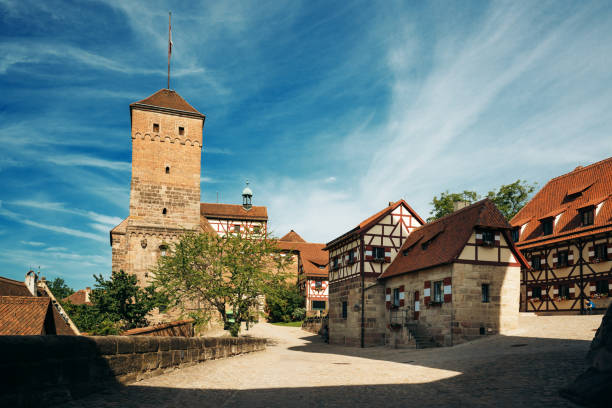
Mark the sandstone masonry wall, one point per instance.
(47, 370)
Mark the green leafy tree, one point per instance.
(120, 300)
(59, 288)
(205, 272)
(284, 304)
(444, 205)
(89, 319)
(509, 199)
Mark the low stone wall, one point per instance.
(315, 324)
(46, 370)
(180, 328)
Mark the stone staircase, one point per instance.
(421, 337)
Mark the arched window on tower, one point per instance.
(164, 211)
(163, 250)
(167, 169)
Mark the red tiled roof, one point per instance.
(447, 237)
(292, 236)
(582, 187)
(312, 255)
(372, 220)
(10, 287)
(233, 212)
(169, 99)
(24, 315)
(78, 298)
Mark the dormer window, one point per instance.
(587, 216)
(181, 130)
(156, 127)
(547, 226)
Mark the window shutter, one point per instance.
(388, 298)
(544, 290)
(572, 291)
(610, 286)
(497, 239)
(448, 296)
(570, 257)
(368, 253)
(401, 295)
(479, 238)
(555, 291)
(592, 287)
(555, 259)
(427, 293)
(387, 254)
(528, 293)
(609, 251)
(417, 305)
(591, 254)
(542, 260)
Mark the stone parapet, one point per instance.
(47, 370)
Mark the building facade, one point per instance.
(310, 269)
(356, 260)
(565, 232)
(455, 279)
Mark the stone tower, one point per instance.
(165, 188)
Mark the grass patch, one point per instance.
(290, 324)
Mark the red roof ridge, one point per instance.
(580, 169)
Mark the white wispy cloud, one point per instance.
(33, 243)
(88, 161)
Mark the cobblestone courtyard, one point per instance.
(521, 369)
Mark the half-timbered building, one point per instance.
(356, 259)
(311, 271)
(565, 232)
(455, 279)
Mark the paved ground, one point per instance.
(522, 369)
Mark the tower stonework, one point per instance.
(165, 187)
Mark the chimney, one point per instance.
(31, 280)
(391, 203)
(457, 205)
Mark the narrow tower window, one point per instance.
(164, 211)
(156, 127)
(181, 130)
(167, 170)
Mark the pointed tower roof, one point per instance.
(292, 236)
(169, 101)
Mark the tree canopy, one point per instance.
(59, 288)
(509, 199)
(118, 304)
(284, 303)
(226, 274)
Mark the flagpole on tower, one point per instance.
(169, 44)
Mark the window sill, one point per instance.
(436, 303)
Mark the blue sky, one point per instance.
(330, 109)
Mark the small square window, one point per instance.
(156, 127)
(256, 229)
(485, 293)
(378, 253)
(536, 292)
(601, 287)
(562, 259)
(438, 296)
(181, 130)
(536, 263)
(488, 237)
(318, 305)
(601, 252)
(236, 228)
(344, 310)
(515, 234)
(318, 284)
(396, 297)
(564, 291)
(351, 256)
(587, 216)
(547, 226)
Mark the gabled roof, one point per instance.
(24, 315)
(445, 238)
(364, 225)
(292, 236)
(10, 287)
(314, 257)
(567, 195)
(233, 212)
(166, 99)
(79, 297)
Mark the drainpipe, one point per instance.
(361, 267)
